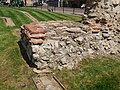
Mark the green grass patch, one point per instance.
(17, 17)
(15, 74)
(42, 15)
(13, 68)
(93, 74)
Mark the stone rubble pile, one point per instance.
(62, 44)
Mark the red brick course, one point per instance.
(33, 29)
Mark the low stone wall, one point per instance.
(62, 44)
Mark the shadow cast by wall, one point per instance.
(25, 56)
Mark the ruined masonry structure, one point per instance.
(104, 9)
(63, 44)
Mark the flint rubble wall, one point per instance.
(62, 44)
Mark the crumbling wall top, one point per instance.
(98, 8)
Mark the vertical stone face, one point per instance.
(90, 4)
(100, 8)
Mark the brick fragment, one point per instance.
(37, 36)
(95, 28)
(33, 29)
(36, 41)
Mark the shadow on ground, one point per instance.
(25, 56)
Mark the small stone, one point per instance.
(44, 58)
(63, 61)
(42, 71)
(84, 53)
(62, 44)
(74, 30)
(36, 41)
(113, 51)
(105, 35)
(35, 48)
(70, 65)
(59, 67)
(109, 38)
(35, 56)
(118, 30)
(92, 15)
(117, 9)
(79, 39)
(21, 84)
(90, 51)
(52, 65)
(61, 28)
(38, 64)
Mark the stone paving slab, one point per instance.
(46, 83)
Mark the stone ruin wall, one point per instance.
(99, 8)
(104, 9)
(66, 43)
(63, 44)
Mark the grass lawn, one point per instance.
(93, 74)
(45, 15)
(15, 74)
(17, 17)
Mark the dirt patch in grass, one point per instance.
(29, 16)
(8, 21)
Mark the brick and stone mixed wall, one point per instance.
(62, 44)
